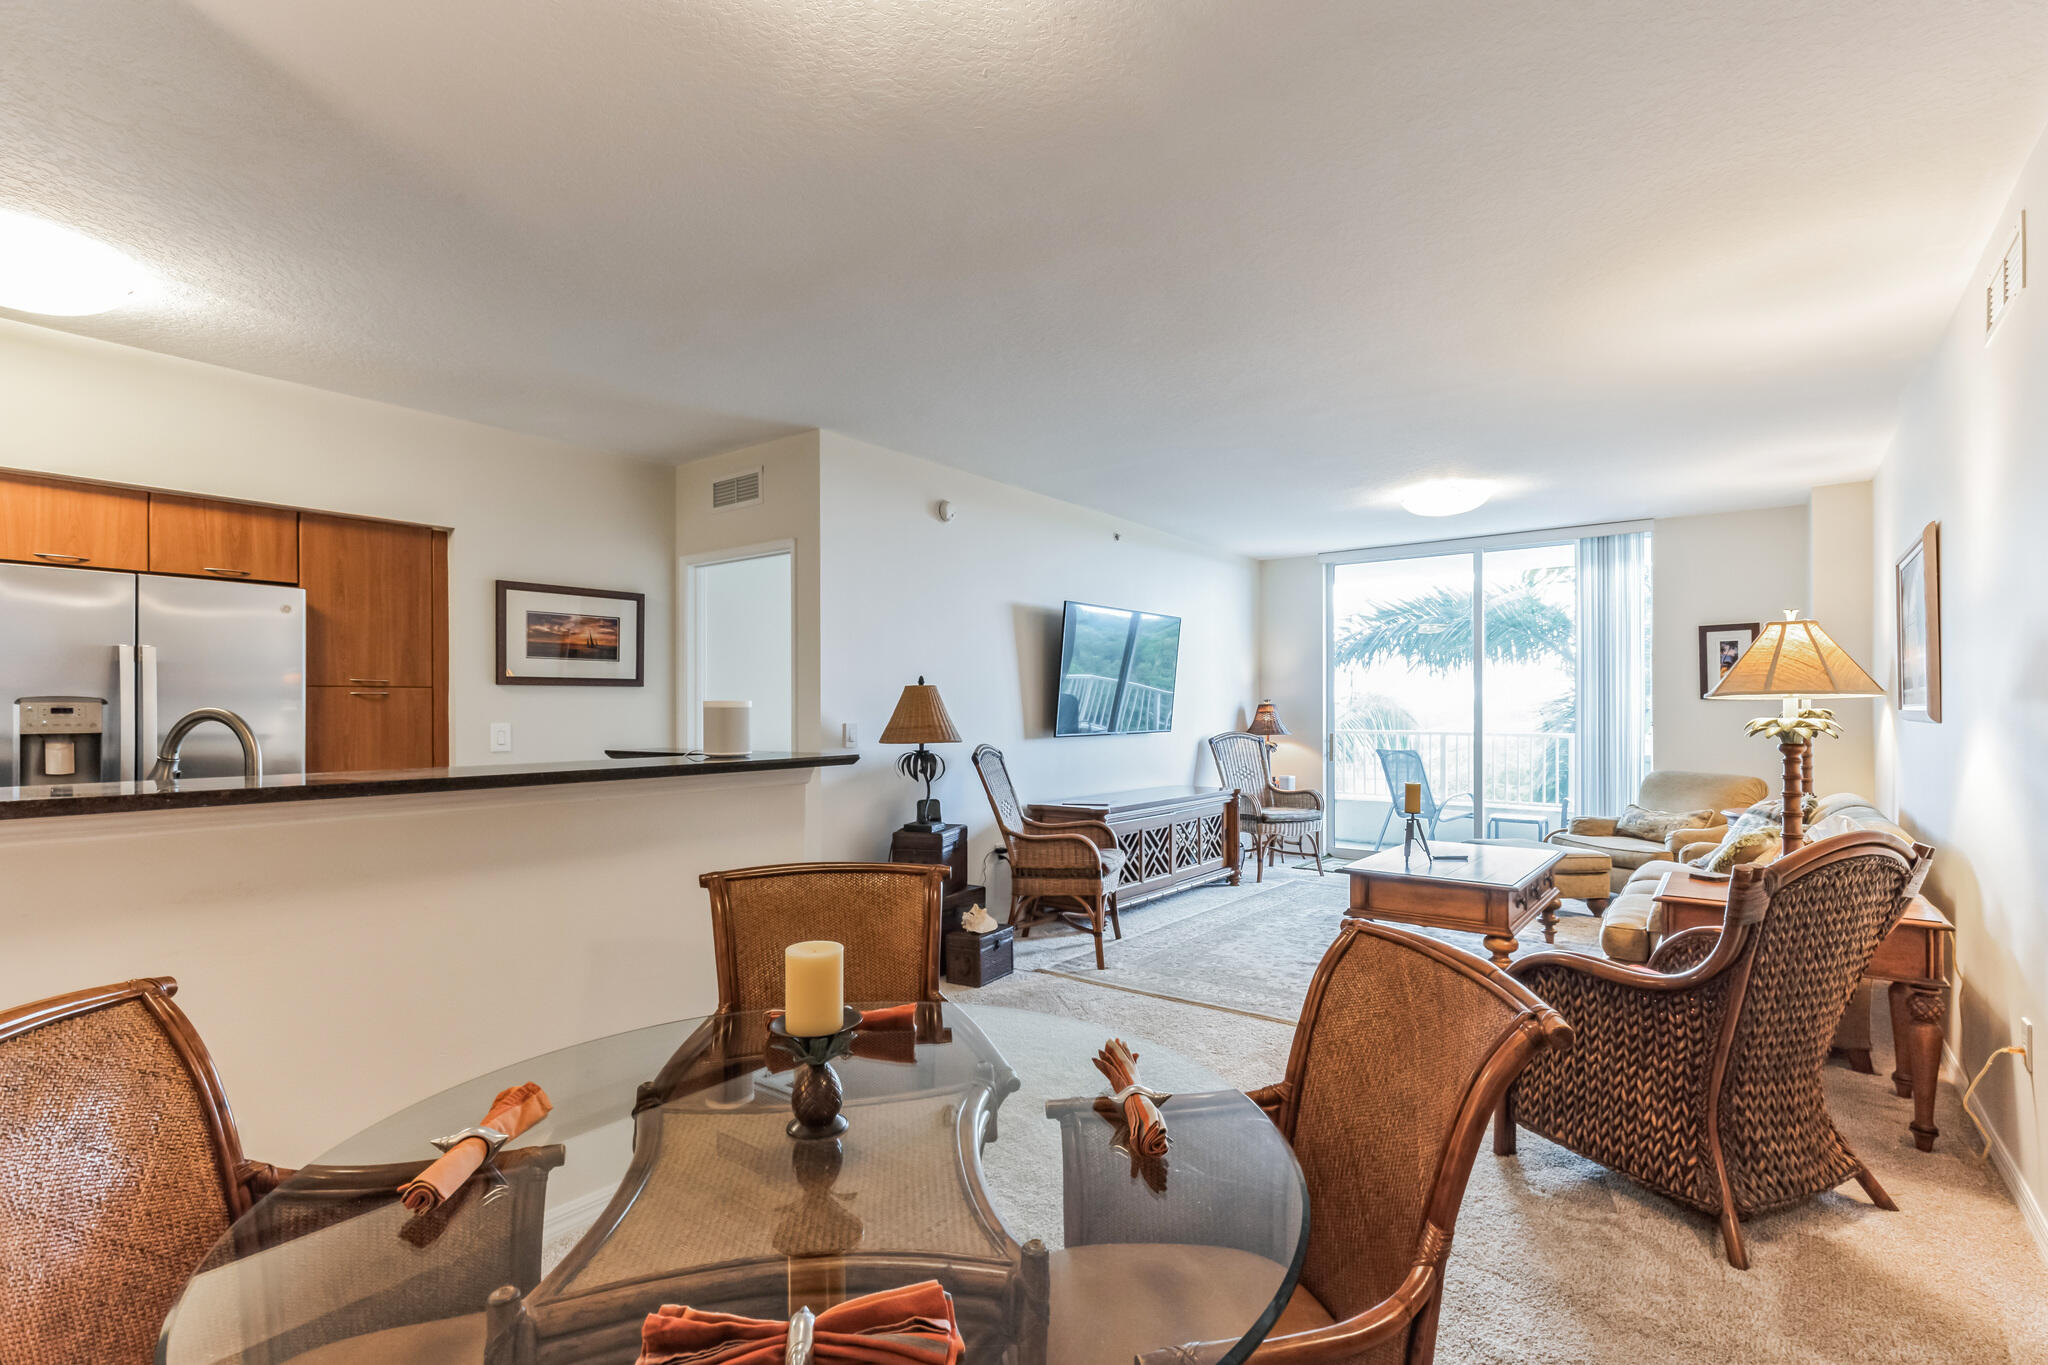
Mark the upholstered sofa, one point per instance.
(1631, 925)
(1670, 790)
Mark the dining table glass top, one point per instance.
(978, 1152)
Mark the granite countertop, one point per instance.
(108, 798)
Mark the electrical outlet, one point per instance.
(501, 736)
(849, 736)
(2027, 1042)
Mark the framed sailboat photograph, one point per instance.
(554, 635)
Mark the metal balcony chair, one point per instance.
(1401, 767)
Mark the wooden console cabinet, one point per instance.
(1172, 837)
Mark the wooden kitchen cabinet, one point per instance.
(361, 729)
(234, 540)
(86, 526)
(369, 602)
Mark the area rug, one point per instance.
(1256, 955)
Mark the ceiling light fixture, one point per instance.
(1445, 497)
(49, 269)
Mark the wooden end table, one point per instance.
(1495, 892)
(1916, 957)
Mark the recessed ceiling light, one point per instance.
(1445, 497)
(48, 268)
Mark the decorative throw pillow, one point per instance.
(1755, 846)
(1659, 825)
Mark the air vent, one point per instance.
(736, 490)
(2008, 278)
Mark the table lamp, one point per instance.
(920, 718)
(1796, 662)
(1266, 725)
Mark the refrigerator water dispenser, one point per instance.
(60, 739)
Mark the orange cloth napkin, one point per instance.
(1119, 1065)
(908, 1326)
(512, 1113)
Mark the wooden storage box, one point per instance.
(977, 959)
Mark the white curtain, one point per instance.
(1613, 666)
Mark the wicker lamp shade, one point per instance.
(920, 718)
(1266, 721)
(1794, 658)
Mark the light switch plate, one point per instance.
(849, 736)
(501, 736)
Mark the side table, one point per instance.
(1916, 957)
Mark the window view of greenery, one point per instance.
(1098, 695)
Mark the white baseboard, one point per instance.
(2002, 1161)
(575, 1215)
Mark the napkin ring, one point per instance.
(491, 1138)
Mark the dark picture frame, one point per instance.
(1916, 615)
(634, 603)
(1715, 641)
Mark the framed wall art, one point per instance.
(1917, 603)
(549, 635)
(1720, 647)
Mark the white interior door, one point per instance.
(739, 644)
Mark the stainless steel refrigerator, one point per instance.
(147, 649)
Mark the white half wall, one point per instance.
(974, 605)
(1722, 569)
(520, 507)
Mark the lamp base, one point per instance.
(928, 820)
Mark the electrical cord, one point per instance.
(1982, 1132)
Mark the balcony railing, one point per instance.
(1145, 708)
(1522, 769)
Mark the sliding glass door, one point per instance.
(1486, 671)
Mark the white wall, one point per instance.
(520, 507)
(1969, 454)
(974, 606)
(1292, 662)
(346, 958)
(1838, 549)
(1716, 570)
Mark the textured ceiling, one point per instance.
(1237, 270)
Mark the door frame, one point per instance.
(690, 619)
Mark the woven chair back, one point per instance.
(1241, 763)
(1830, 905)
(115, 1152)
(1402, 766)
(1002, 796)
(1404, 1048)
(887, 914)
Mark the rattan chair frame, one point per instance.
(1409, 1313)
(242, 1181)
(724, 941)
(1270, 837)
(1056, 868)
(1721, 960)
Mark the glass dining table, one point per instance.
(978, 1152)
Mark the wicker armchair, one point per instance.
(1068, 870)
(888, 915)
(122, 1166)
(1272, 815)
(1700, 1076)
(1404, 1048)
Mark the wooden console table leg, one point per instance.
(1929, 1020)
(1902, 1047)
(1550, 921)
(1502, 947)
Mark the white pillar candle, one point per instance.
(814, 987)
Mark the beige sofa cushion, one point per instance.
(1625, 930)
(1670, 789)
(1641, 822)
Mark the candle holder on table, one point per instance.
(1411, 836)
(815, 1094)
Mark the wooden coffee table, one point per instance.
(1916, 957)
(1495, 892)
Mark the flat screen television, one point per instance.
(1117, 670)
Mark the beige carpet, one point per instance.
(1558, 1260)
